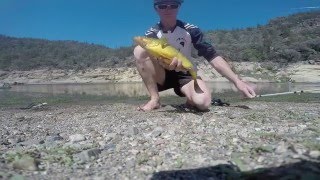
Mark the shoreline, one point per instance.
(99, 138)
(251, 72)
(114, 141)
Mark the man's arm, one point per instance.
(224, 69)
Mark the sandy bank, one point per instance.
(254, 72)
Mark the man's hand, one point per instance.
(175, 64)
(246, 89)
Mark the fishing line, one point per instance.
(291, 92)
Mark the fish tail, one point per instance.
(193, 74)
(196, 85)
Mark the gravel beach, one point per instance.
(247, 140)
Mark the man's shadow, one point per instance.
(305, 170)
(183, 108)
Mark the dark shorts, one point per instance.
(175, 80)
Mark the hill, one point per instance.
(29, 53)
(283, 40)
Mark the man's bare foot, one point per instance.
(151, 105)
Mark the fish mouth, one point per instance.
(140, 41)
(145, 42)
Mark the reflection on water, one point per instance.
(138, 89)
(108, 89)
(264, 88)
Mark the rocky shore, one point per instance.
(265, 140)
(112, 140)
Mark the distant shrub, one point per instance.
(284, 39)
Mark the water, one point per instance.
(138, 89)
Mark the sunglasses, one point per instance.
(167, 6)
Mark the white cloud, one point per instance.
(308, 7)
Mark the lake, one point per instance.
(138, 89)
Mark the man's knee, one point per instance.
(140, 54)
(203, 103)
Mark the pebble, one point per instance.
(133, 131)
(25, 163)
(233, 116)
(157, 132)
(314, 154)
(77, 138)
(282, 148)
(119, 143)
(299, 149)
(302, 126)
(110, 136)
(260, 159)
(88, 155)
(134, 143)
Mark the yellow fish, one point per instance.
(160, 48)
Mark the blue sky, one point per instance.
(113, 23)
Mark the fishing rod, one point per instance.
(219, 102)
(290, 92)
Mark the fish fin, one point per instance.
(164, 42)
(193, 73)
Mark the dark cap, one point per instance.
(167, 1)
